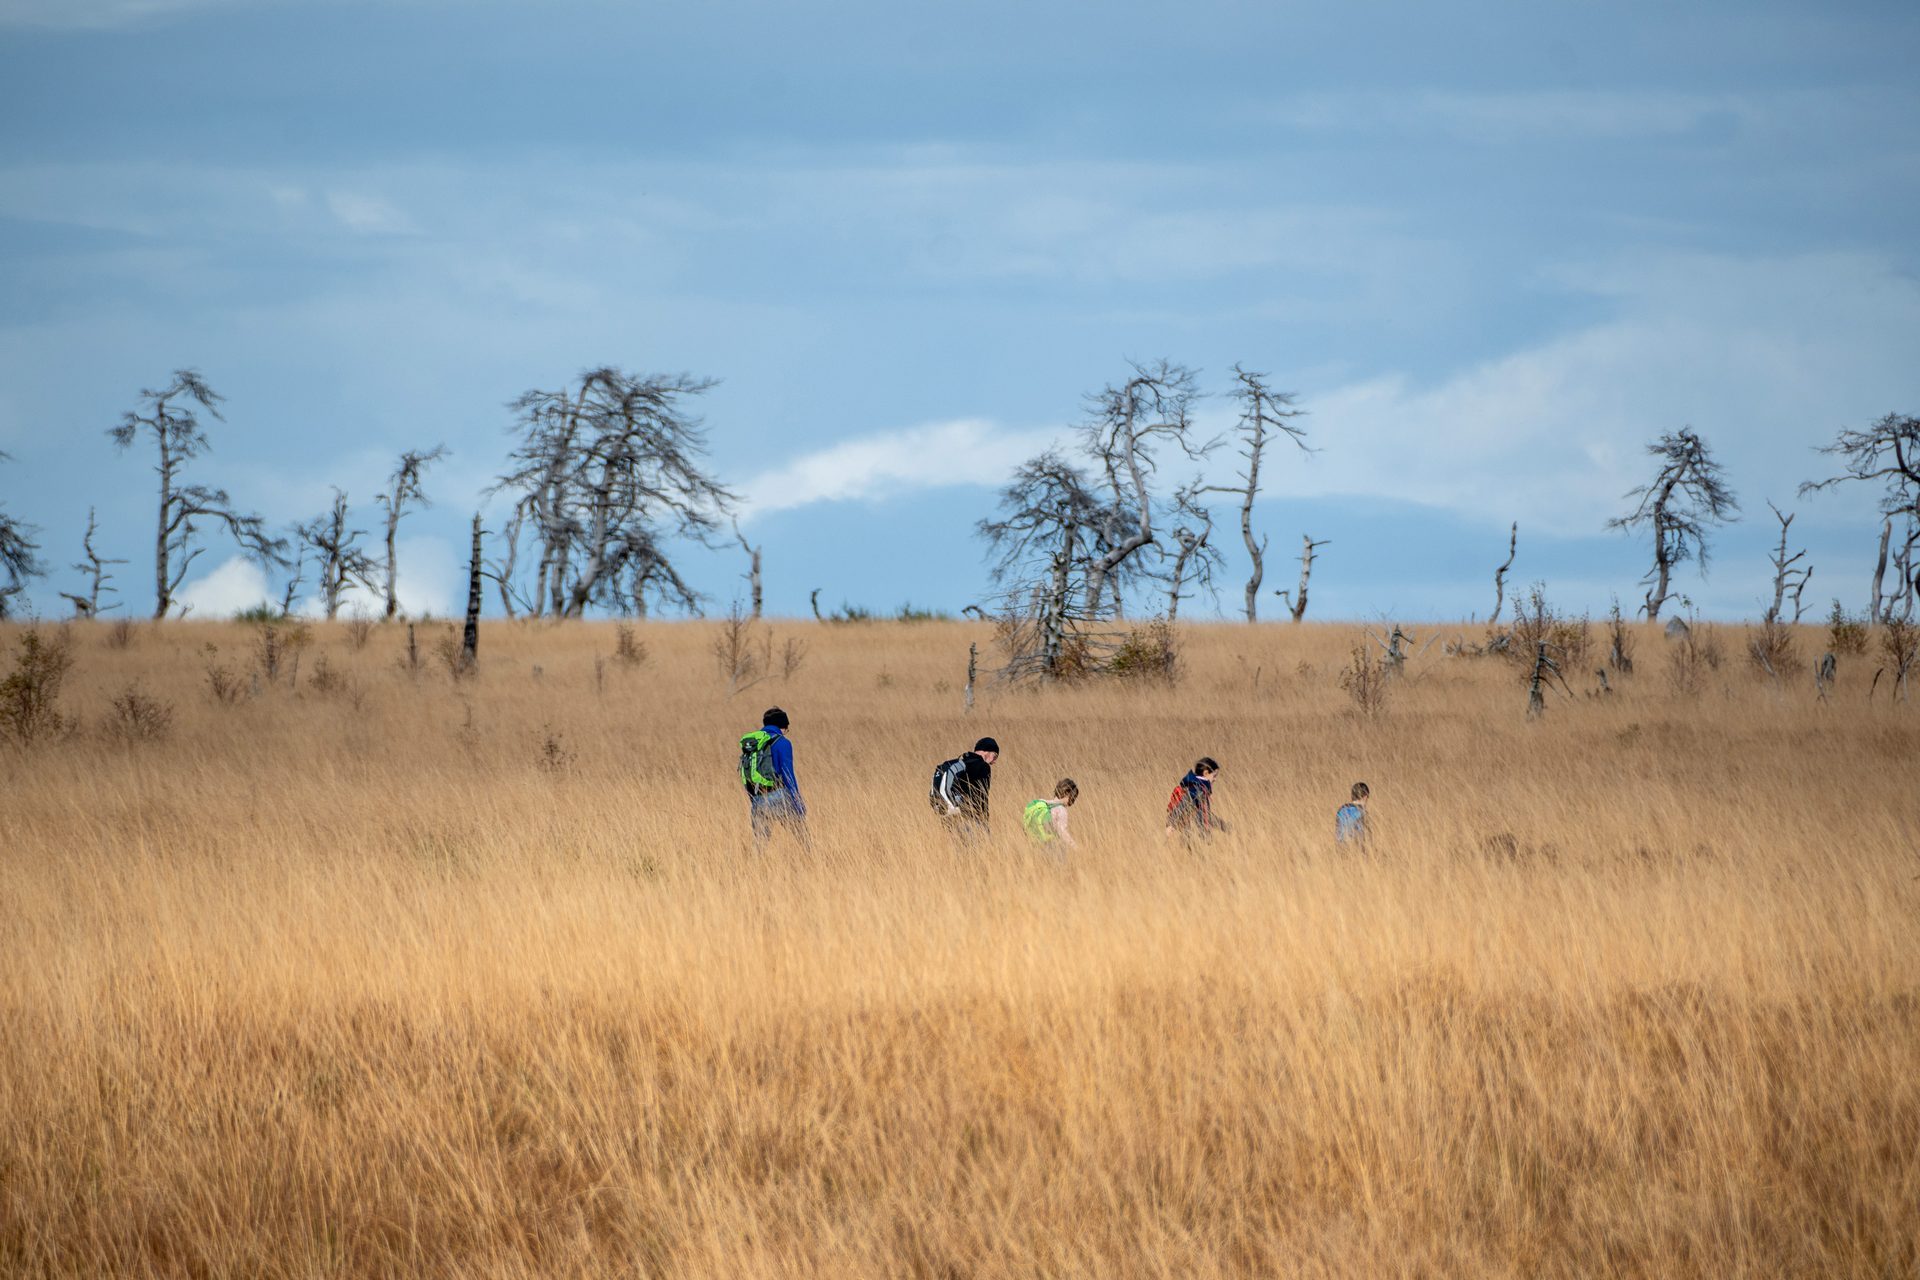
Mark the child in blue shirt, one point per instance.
(1350, 820)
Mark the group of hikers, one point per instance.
(961, 788)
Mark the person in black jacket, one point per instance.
(961, 787)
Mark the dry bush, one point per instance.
(134, 717)
(1846, 633)
(329, 682)
(629, 650)
(359, 630)
(277, 646)
(1620, 641)
(1771, 649)
(1365, 678)
(1694, 654)
(1899, 645)
(121, 633)
(1537, 621)
(1148, 653)
(793, 656)
(410, 655)
(396, 1002)
(30, 695)
(224, 683)
(451, 651)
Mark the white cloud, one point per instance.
(1763, 357)
(966, 451)
(237, 584)
(430, 579)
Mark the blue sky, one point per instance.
(1494, 248)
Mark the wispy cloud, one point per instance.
(937, 455)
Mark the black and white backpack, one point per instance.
(946, 776)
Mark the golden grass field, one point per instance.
(415, 977)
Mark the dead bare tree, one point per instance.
(652, 580)
(1262, 412)
(1619, 641)
(1887, 452)
(1787, 579)
(94, 565)
(335, 547)
(1044, 540)
(1195, 558)
(606, 471)
(753, 572)
(470, 637)
(1500, 576)
(295, 576)
(19, 558)
(1688, 493)
(173, 425)
(502, 569)
(1309, 552)
(1128, 426)
(404, 489)
(1544, 676)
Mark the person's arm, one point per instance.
(783, 772)
(1060, 827)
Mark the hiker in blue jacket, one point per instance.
(766, 771)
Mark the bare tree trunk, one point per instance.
(973, 666)
(1877, 609)
(753, 575)
(1297, 603)
(392, 561)
(1190, 545)
(1053, 634)
(470, 641)
(1663, 575)
(814, 599)
(163, 594)
(507, 566)
(1500, 575)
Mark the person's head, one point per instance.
(1205, 767)
(774, 718)
(1066, 791)
(1360, 792)
(987, 749)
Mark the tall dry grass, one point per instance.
(409, 976)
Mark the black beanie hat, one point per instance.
(775, 717)
(987, 744)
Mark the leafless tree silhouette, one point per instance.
(1263, 412)
(94, 565)
(753, 571)
(1888, 452)
(1684, 497)
(606, 470)
(171, 422)
(1297, 599)
(1790, 578)
(1045, 543)
(1127, 428)
(19, 558)
(404, 489)
(1500, 575)
(1195, 558)
(336, 548)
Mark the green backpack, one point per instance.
(756, 763)
(1037, 818)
